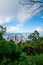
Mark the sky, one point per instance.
(21, 16)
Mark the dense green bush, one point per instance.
(36, 60)
(11, 54)
(24, 53)
(33, 47)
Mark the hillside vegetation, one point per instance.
(24, 53)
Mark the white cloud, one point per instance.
(39, 29)
(27, 11)
(5, 19)
(18, 28)
(12, 9)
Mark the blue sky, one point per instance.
(18, 18)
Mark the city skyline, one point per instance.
(20, 19)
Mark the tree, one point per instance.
(29, 4)
(2, 31)
(34, 35)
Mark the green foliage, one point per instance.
(2, 29)
(11, 54)
(33, 48)
(34, 36)
(36, 60)
(24, 53)
(35, 45)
